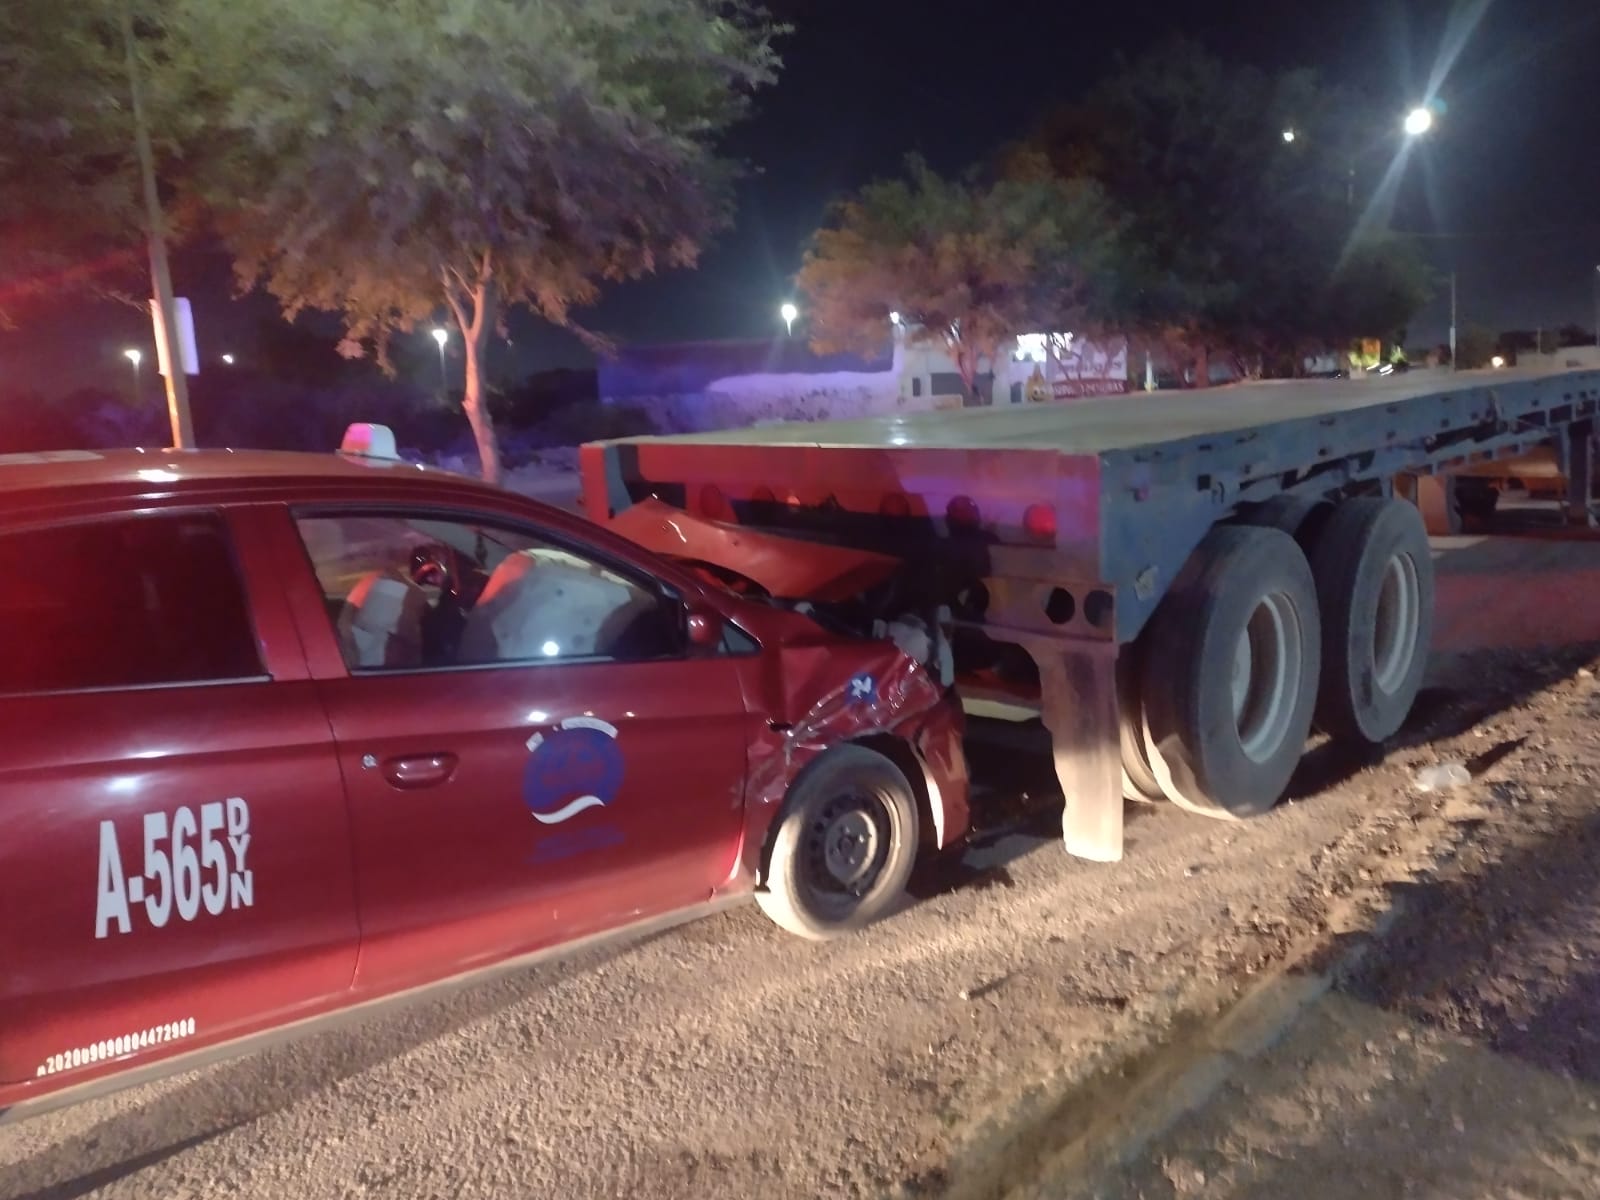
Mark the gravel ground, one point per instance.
(1460, 1055)
(943, 1052)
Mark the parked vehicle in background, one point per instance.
(289, 734)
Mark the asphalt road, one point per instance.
(940, 1053)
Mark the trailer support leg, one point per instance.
(1436, 497)
(1580, 472)
(1078, 697)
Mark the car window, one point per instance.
(425, 592)
(130, 602)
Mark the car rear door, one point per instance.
(174, 843)
(531, 751)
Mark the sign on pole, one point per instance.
(1068, 367)
(187, 349)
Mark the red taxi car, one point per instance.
(287, 734)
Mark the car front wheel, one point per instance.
(844, 846)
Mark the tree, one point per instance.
(968, 264)
(384, 159)
(68, 193)
(1378, 287)
(1244, 240)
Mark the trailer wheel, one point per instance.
(1374, 574)
(1295, 515)
(1230, 673)
(844, 846)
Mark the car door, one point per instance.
(531, 751)
(174, 849)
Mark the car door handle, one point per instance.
(420, 770)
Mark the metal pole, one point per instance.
(1454, 365)
(444, 374)
(155, 230)
(138, 391)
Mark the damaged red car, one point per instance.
(292, 734)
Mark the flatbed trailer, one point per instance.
(1197, 577)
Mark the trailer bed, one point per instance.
(1127, 422)
(1133, 481)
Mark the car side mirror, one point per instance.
(705, 628)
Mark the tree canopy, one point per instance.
(386, 159)
(1236, 236)
(968, 263)
(68, 193)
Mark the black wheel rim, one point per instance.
(847, 843)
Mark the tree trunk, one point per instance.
(1202, 366)
(967, 365)
(475, 335)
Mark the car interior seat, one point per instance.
(543, 605)
(381, 622)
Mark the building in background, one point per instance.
(698, 386)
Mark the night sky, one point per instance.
(1507, 187)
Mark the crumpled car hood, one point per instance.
(786, 567)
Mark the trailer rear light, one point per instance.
(1039, 522)
(714, 504)
(962, 512)
(895, 504)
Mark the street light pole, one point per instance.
(133, 355)
(155, 232)
(441, 335)
(1453, 365)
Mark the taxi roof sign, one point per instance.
(366, 440)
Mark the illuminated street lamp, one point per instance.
(1497, 362)
(894, 319)
(790, 314)
(134, 355)
(1289, 135)
(1418, 123)
(227, 360)
(441, 335)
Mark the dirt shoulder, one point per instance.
(1459, 1055)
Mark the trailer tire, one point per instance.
(1230, 673)
(1297, 516)
(844, 846)
(1374, 574)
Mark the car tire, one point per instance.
(843, 847)
(1230, 673)
(1374, 574)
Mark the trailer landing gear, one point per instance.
(1078, 700)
